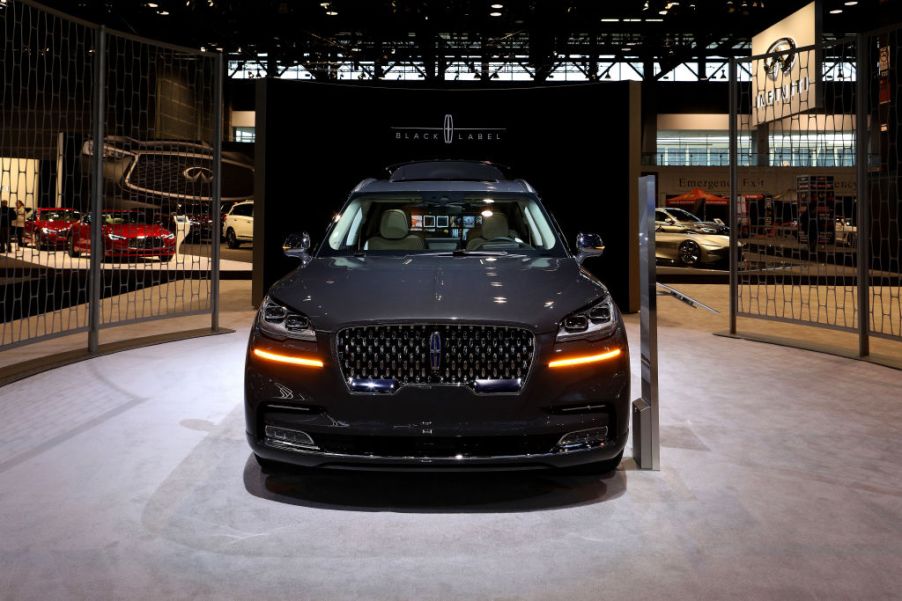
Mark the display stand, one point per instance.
(646, 435)
(182, 227)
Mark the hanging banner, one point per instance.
(785, 74)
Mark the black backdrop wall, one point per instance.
(578, 145)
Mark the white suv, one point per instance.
(238, 225)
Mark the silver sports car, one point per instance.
(690, 248)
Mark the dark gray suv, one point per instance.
(441, 324)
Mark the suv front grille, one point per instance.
(437, 353)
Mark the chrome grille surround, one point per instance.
(148, 242)
(406, 354)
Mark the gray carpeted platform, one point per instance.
(128, 477)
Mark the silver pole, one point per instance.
(96, 257)
(646, 425)
(863, 202)
(734, 222)
(216, 209)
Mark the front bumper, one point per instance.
(127, 248)
(444, 462)
(436, 427)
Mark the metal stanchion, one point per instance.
(96, 257)
(863, 213)
(734, 222)
(646, 424)
(216, 209)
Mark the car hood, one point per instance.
(536, 292)
(53, 225)
(133, 230)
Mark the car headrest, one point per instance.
(394, 224)
(495, 227)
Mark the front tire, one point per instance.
(690, 253)
(232, 239)
(72, 252)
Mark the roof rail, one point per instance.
(446, 170)
(363, 184)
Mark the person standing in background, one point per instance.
(20, 214)
(7, 216)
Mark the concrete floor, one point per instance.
(128, 477)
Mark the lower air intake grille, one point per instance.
(440, 353)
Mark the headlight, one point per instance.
(169, 236)
(46, 230)
(594, 321)
(113, 236)
(279, 322)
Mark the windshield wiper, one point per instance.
(459, 252)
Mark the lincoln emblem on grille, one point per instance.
(435, 351)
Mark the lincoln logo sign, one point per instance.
(448, 133)
(435, 351)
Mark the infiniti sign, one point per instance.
(779, 63)
(785, 66)
(781, 58)
(448, 133)
(198, 175)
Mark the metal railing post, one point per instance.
(96, 273)
(734, 222)
(216, 212)
(646, 418)
(862, 213)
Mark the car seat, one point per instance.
(394, 233)
(493, 227)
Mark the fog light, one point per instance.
(583, 439)
(290, 438)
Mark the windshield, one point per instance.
(681, 215)
(125, 217)
(58, 215)
(431, 222)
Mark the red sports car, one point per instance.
(49, 227)
(125, 234)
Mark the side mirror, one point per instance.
(718, 221)
(588, 245)
(297, 245)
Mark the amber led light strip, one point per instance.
(583, 360)
(289, 359)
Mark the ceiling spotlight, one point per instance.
(836, 11)
(163, 13)
(332, 13)
(495, 14)
(151, 5)
(498, 6)
(610, 20)
(851, 3)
